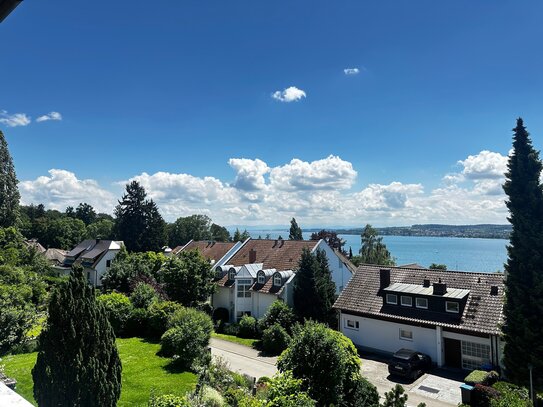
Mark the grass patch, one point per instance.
(251, 343)
(143, 371)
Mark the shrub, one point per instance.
(362, 394)
(482, 395)
(118, 308)
(143, 295)
(326, 360)
(159, 316)
(275, 339)
(188, 336)
(248, 327)
(233, 396)
(510, 395)
(220, 376)
(475, 377)
(211, 398)
(231, 329)
(168, 400)
(491, 378)
(221, 314)
(278, 313)
(138, 322)
(284, 390)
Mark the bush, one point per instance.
(168, 400)
(118, 308)
(143, 295)
(233, 396)
(491, 378)
(482, 396)
(275, 339)
(278, 313)
(188, 337)
(284, 390)
(475, 377)
(159, 316)
(138, 323)
(248, 327)
(221, 314)
(220, 376)
(511, 395)
(362, 394)
(231, 329)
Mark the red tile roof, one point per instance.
(209, 249)
(483, 312)
(276, 254)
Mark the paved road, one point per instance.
(246, 360)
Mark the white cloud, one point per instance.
(291, 94)
(62, 188)
(351, 71)
(394, 196)
(486, 164)
(329, 173)
(49, 116)
(249, 173)
(14, 120)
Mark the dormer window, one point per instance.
(406, 301)
(392, 299)
(422, 303)
(232, 274)
(218, 272)
(261, 278)
(277, 280)
(452, 306)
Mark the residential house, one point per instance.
(34, 244)
(55, 256)
(94, 255)
(262, 271)
(215, 252)
(452, 316)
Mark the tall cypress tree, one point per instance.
(295, 231)
(78, 363)
(9, 194)
(326, 289)
(523, 329)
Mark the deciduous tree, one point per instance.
(295, 231)
(373, 250)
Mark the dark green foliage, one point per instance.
(159, 316)
(240, 236)
(275, 339)
(196, 227)
(220, 315)
(330, 237)
(86, 213)
(187, 278)
(435, 266)
(78, 362)
(143, 295)
(278, 313)
(373, 250)
(138, 323)
(362, 394)
(9, 197)
(248, 327)
(325, 360)
(314, 289)
(138, 222)
(482, 396)
(219, 233)
(523, 310)
(295, 231)
(511, 395)
(286, 391)
(65, 233)
(395, 397)
(101, 229)
(118, 308)
(16, 318)
(188, 336)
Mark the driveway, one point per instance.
(437, 389)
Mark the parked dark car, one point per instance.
(409, 363)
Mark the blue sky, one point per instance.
(169, 94)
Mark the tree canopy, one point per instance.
(295, 231)
(330, 237)
(524, 283)
(373, 250)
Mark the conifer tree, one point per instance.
(9, 194)
(78, 363)
(326, 289)
(295, 231)
(523, 310)
(138, 222)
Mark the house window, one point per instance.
(108, 263)
(406, 301)
(261, 278)
(277, 280)
(243, 287)
(392, 299)
(475, 355)
(452, 306)
(422, 303)
(406, 334)
(352, 324)
(232, 274)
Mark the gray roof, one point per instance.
(456, 293)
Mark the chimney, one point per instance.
(426, 282)
(440, 288)
(493, 290)
(252, 256)
(384, 278)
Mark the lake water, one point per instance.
(483, 255)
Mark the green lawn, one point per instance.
(143, 370)
(252, 343)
